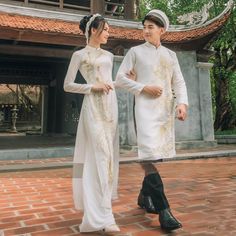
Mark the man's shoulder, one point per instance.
(138, 47)
(169, 51)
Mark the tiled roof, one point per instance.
(173, 36)
(197, 33)
(21, 22)
(64, 28)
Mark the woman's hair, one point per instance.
(154, 19)
(98, 23)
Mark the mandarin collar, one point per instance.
(153, 46)
(92, 48)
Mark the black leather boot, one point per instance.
(146, 203)
(168, 221)
(154, 186)
(145, 200)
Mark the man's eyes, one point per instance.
(149, 27)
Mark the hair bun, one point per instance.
(83, 22)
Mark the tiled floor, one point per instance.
(202, 194)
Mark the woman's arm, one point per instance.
(69, 83)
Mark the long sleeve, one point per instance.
(122, 81)
(179, 85)
(69, 83)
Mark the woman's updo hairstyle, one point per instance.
(97, 23)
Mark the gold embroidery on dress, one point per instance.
(102, 111)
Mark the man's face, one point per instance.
(151, 32)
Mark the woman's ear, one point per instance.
(93, 31)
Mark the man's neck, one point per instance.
(156, 44)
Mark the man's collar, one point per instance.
(152, 45)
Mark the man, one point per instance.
(152, 73)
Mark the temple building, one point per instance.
(38, 37)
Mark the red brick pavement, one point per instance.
(201, 192)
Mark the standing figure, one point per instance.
(95, 169)
(152, 73)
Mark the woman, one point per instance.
(95, 171)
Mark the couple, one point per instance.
(152, 73)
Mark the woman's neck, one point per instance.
(94, 44)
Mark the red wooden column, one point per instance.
(129, 10)
(97, 6)
(61, 4)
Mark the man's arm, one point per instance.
(122, 78)
(180, 91)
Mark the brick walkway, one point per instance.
(201, 192)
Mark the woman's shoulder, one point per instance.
(79, 52)
(84, 51)
(76, 54)
(107, 53)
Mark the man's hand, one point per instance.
(131, 75)
(101, 87)
(181, 112)
(152, 90)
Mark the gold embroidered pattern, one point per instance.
(101, 108)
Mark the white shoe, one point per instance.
(111, 228)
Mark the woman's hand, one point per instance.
(152, 90)
(131, 75)
(181, 112)
(101, 87)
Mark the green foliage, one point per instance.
(225, 65)
(147, 5)
(226, 132)
(175, 8)
(181, 7)
(232, 91)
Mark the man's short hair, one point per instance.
(154, 19)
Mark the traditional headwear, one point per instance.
(160, 15)
(88, 26)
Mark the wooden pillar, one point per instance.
(61, 2)
(129, 10)
(97, 6)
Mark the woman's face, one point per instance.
(151, 32)
(103, 36)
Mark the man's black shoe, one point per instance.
(168, 221)
(146, 203)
